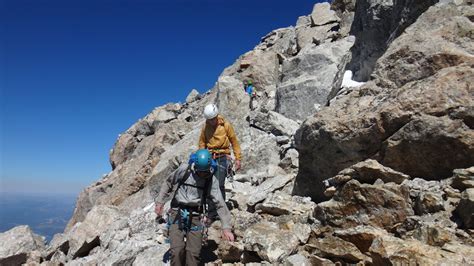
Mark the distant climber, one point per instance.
(249, 89)
(192, 184)
(217, 135)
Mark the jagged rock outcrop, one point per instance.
(20, 245)
(363, 204)
(440, 38)
(377, 121)
(192, 96)
(375, 25)
(143, 152)
(307, 78)
(322, 15)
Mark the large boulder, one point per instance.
(389, 250)
(275, 123)
(440, 38)
(18, 244)
(430, 147)
(281, 41)
(261, 192)
(307, 78)
(364, 204)
(85, 236)
(389, 125)
(270, 242)
(335, 248)
(280, 203)
(368, 171)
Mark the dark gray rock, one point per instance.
(275, 123)
(307, 78)
(376, 24)
(465, 209)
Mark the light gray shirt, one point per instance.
(190, 193)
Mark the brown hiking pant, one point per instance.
(185, 252)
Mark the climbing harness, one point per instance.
(183, 219)
(230, 169)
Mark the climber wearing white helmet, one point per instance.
(210, 111)
(217, 135)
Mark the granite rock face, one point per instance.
(379, 119)
(375, 25)
(398, 150)
(19, 245)
(307, 78)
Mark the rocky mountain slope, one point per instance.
(400, 147)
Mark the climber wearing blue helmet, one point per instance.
(202, 161)
(192, 184)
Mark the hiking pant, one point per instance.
(185, 246)
(220, 174)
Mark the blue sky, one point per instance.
(76, 73)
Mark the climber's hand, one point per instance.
(227, 235)
(159, 209)
(237, 165)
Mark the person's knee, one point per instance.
(194, 251)
(177, 252)
(178, 248)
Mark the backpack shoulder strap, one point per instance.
(185, 178)
(182, 181)
(205, 195)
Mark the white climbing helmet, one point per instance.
(210, 111)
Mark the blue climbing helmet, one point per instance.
(202, 161)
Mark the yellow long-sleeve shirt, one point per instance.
(218, 139)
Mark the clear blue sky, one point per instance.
(76, 73)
